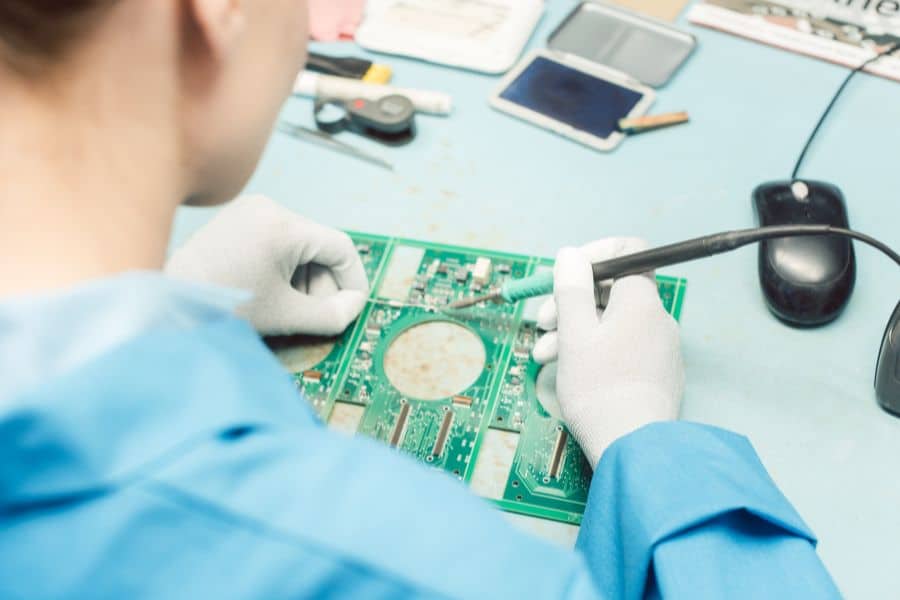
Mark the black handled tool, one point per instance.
(390, 120)
(663, 256)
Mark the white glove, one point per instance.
(620, 368)
(305, 278)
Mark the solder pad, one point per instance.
(548, 476)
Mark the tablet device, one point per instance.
(573, 97)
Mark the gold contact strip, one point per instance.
(559, 449)
(397, 434)
(443, 433)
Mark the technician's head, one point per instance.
(204, 78)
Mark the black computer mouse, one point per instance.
(887, 370)
(807, 281)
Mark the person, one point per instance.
(151, 446)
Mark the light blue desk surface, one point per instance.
(804, 398)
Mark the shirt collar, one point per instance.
(51, 334)
(151, 398)
(140, 365)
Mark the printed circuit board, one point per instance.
(436, 383)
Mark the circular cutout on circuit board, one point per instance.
(305, 354)
(434, 360)
(545, 390)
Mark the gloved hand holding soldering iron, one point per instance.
(619, 368)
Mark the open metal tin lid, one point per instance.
(642, 47)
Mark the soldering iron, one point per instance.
(887, 369)
(540, 284)
(887, 372)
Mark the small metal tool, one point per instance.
(327, 141)
(493, 296)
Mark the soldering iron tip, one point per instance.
(467, 302)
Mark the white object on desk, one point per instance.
(482, 35)
(315, 85)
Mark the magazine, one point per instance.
(845, 32)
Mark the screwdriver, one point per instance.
(540, 284)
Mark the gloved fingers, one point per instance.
(329, 248)
(546, 317)
(547, 314)
(334, 313)
(634, 297)
(289, 312)
(596, 251)
(546, 349)
(320, 281)
(573, 289)
(314, 280)
(300, 279)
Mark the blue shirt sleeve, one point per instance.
(687, 510)
(677, 510)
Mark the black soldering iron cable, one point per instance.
(890, 50)
(718, 243)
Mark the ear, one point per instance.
(220, 22)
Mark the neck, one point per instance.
(89, 185)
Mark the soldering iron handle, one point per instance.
(648, 260)
(672, 254)
(701, 247)
(540, 284)
(535, 285)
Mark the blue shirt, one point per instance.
(171, 457)
(46, 335)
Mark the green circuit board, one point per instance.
(412, 283)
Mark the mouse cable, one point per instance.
(890, 50)
(718, 243)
